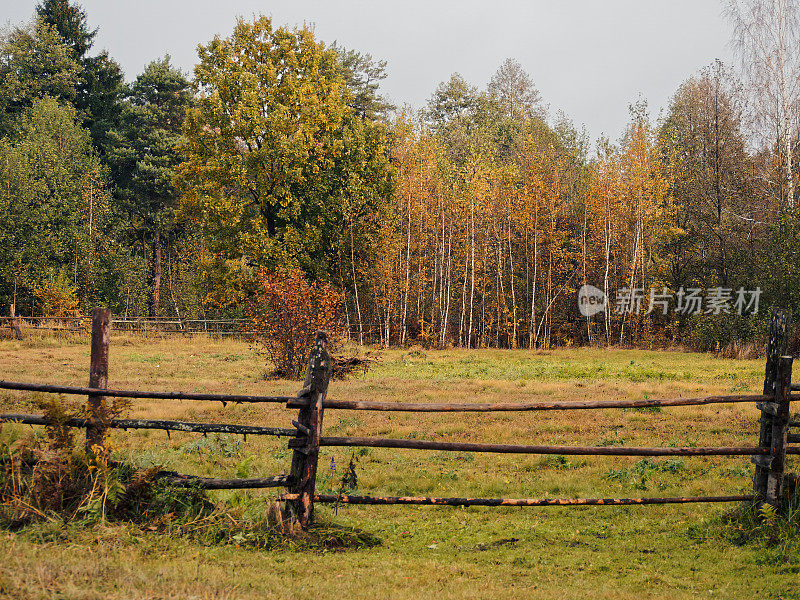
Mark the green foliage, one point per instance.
(272, 148)
(142, 152)
(71, 23)
(759, 526)
(34, 63)
(715, 333)
(43, 223)
(100, 84)
(640, 473)
(779, 276)
(144, 147)
(100, 91)
(362, 75)
(216, 445)
(264, 128)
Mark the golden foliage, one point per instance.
(57, 297)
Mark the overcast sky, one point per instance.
(588, 58)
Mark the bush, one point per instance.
(287, 311)
(731, 335)
(48, 475)
(57, 297)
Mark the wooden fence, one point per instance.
(143, 325)
(306, 437)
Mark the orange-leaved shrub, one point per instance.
(287, 310)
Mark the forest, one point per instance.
(471, 222)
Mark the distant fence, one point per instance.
(306, 437)
(142, 325)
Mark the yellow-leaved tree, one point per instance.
(273, 154)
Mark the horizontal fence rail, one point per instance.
(163, 325)
(371, 442)
(422, 500)
(88, 391)
(537, 405)
(160, 424)
(210, 483)
(294, 402)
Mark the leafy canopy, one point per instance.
(44, 165)
(34, 62)
(272, 143)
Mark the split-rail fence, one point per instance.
(306, 434)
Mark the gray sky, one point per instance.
(588, 58)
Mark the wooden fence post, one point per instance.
(303, 475)
(776, 347)
(98, 378)
(780, 427)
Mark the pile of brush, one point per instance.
(344, 366)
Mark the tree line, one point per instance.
(473, 222)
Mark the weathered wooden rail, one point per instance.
(537, 405)
(144, 325)
(306, 437)
(347, 499)
(184, 426)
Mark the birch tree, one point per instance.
(766, 36)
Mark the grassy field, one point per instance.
(589, 552)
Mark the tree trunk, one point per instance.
(355, 288)
(404, 333)
(155, 276)
(472, 277)
(511, 284)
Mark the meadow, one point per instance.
(683, 551)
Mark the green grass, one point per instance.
(670, 552)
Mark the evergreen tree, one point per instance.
(100, 85)
(142, 152)
(71, 23)
(362, 76)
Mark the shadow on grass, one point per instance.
(751, 524)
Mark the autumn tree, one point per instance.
(702, 138)
(286, 311)
(513, 89)
(270, 145)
